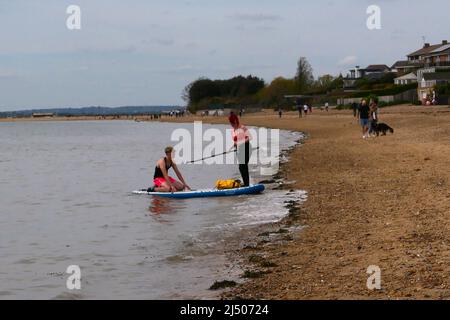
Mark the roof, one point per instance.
(441, 48)
(404, 64)
(436, 76)
(377, 67)
(374, 76)
(409, 76)
(425, 50)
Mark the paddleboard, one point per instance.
(254, 189)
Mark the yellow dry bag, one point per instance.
(227, 184)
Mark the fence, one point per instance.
(410, 95)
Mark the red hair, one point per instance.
(234, 119)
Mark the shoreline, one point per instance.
(382, 201)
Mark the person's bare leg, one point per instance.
(163, 188)
(178, 185)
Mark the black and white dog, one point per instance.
(383, 128)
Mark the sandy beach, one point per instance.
(383, 201)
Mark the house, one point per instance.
(425, 63)
(377, 68)
(43, 115)
(372, 72)
(403, 67)
(420, 55)
(431, 58)
(428, 56)
(439, 56)
(429, 81)
(406, 79)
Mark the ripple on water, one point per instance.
(179, 259)
(4, 294)
(26, 261)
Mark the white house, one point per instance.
(406, 79)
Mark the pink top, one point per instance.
(241, 135)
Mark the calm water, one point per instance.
(65, 200)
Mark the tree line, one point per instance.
(253, 91)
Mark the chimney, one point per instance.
(444, 42)
(427, 45)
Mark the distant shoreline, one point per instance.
(83, 118)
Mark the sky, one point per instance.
(144, 52)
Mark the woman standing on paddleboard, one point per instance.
(163, 182)
(241, 138)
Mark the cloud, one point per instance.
(255, 17)
(348, 60)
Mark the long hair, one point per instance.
(234, 119)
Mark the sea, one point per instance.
(66, 200)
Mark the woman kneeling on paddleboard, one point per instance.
(163, 182)
(241, 138)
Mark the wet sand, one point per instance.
(383, 201)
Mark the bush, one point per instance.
(344, 107)
(385, 92)
(442, 89)
(383, 104)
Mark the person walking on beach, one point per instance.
(161, 179)
(327, 106)
(373, 117)
(241, 138)
(280, 112)
(364, 117)
(298, 104)
(305, 108)
(355, 109)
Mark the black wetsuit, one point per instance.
(244, 155)
(158, 171)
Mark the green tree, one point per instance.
(304, 77)
(324, 83)
(274, 93)
(204, 89)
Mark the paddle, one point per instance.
(216, 155)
